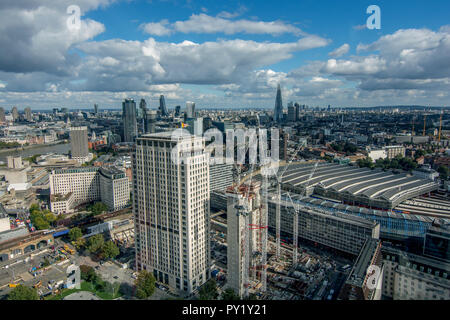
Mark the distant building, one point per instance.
(377, 154)
(15, 114)
(190, 109)
(162, 107)
(150, 121)
(2, 115)
(292, 114)
(177, 111)
(129, 120)
(79, 144)
(278, 111)
(28, 116)
(14, 162)
(95, 108)
(393, 151)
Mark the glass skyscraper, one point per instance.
(129, 120)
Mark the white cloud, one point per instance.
(339, 52)
(203, 23)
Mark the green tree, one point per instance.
(98, 208)
(75, 234)
(110, 250)
(229, 294)
(208, 291)
(443, 172)
(22, 292)
(88, 274)
(95, 243)
(145, 285)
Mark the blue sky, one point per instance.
(224, 53)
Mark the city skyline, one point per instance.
(319, 57)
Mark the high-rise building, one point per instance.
(297, 111)
(143, 114)
(171, 208)
(162, 106)
(14, 113)
(278, 111)
(190, 109)
(129, 120)
(291, 112)
(2, 115)
(220, 175)
(95, 108)
(150, 121)
(177, 111)
(79, 144)
(243, 211)
(28, 115)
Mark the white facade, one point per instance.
(4, 223)
(171, 207)
(377, 154)
(83, 182)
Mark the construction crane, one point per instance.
(424, 123)
(296, 207)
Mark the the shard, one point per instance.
(278, 112)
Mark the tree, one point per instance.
(229, 294)
(110, 250)
(145, 285)
(443, 172)
(98, 208)
(88, 274)
(22, 292)
(209, 290)
(95, 243)
(75, 234)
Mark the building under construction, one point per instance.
(246, 238)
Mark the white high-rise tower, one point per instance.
(171, 207)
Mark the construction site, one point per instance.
(271, 266)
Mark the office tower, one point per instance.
(291, 112)
(14, 113)
(79, 144)
(190, 109)
(195, 126)
(143, 115)
(162, 107)
(171, 208)
(129, 120)
(28, 115)
(177, 111)
(278, 112)
(95, 108)
(297, 111)
(2, 115)
(220, 176)
(150, 121)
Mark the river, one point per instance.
(41, 149)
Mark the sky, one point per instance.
(223, 53)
